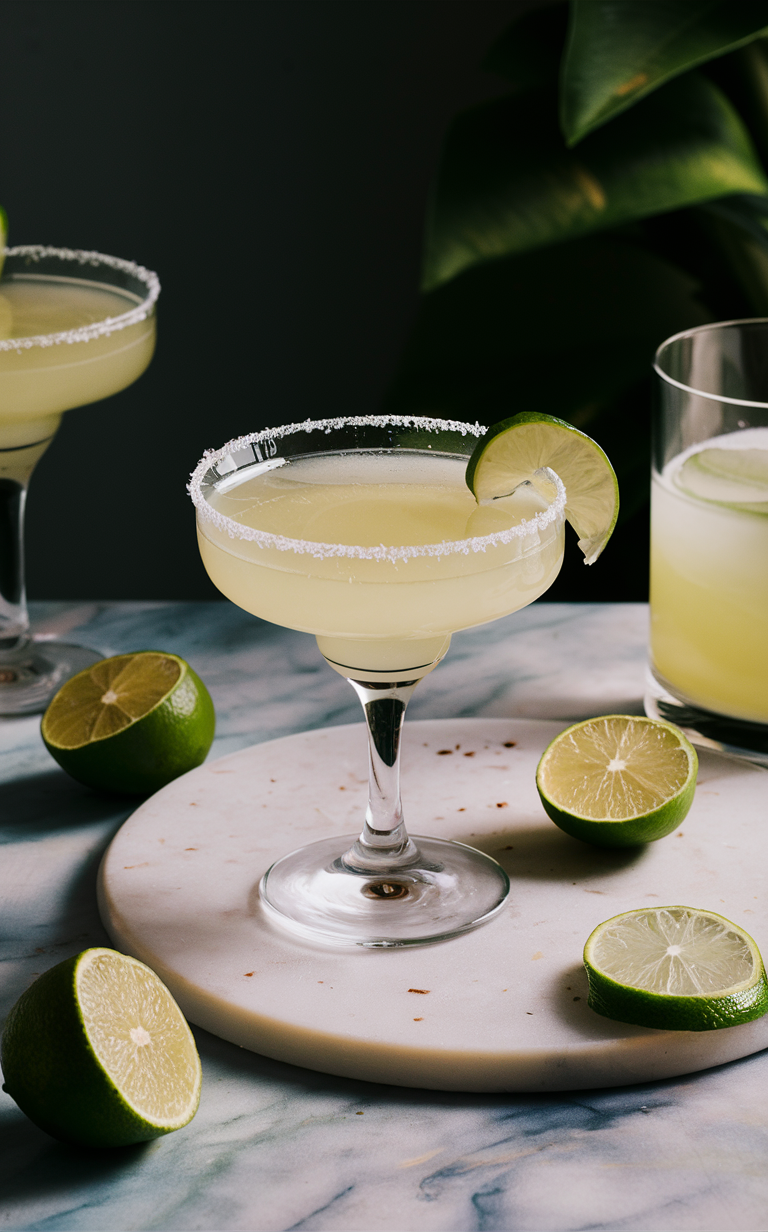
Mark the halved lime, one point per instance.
(131, 723)
(675, 968)
(737, 478)
(618, 780)
(511, 453)
(97, 1052)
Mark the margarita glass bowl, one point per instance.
(362, 531)
(75, 327)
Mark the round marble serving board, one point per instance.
(503, 1008)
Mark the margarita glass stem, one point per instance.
(14, 619)
(384, 842)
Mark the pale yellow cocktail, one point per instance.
(380, 598)
(75, 327)
(38, 383)
(709, 575)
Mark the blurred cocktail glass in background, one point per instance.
(709, 536)
(75, 327)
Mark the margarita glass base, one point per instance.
(33, 672)
(444, 889)
(703, 727)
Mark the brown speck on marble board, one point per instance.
(422, 991)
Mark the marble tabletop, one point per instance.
(274, 1147)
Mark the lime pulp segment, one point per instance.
(615, 768)
(108, 697)
(674, 951)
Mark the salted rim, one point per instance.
(97, 329)
(282, 543)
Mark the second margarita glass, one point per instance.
(363, 532)
(75, 327)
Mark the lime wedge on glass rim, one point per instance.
(515, 450)
(97, 1052)
(618, 780)
(675, 968)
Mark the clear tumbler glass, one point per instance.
(709, 537)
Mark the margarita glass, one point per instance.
(75, 327)
(709, 536)
(363, 532)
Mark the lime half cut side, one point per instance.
(618, 780)
(97, 1052)
(675, 968)
(514, 450)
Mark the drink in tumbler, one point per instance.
(709, 536)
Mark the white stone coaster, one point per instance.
(503, 1008)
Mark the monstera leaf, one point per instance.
(621, 50)
(508, 183)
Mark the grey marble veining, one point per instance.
(275, 1147)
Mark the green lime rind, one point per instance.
(592, 492)
(152, 750)
(53, 1074)
(630, 833)
(642, 1008)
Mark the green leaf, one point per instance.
(529, 51)
(620, 50)
(569, 330)
(507, 182)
